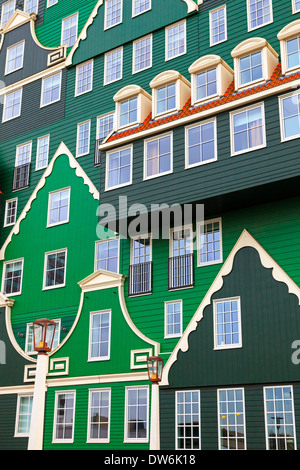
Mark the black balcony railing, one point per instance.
(181, 271)
(140, 278)
(21, 176)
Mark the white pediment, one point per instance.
(101, 279)
(18, 18)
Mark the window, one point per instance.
(140, 6)
(175, 40)
(84, 77)
(290, 116)
(12, 105)
(23, 418)
(23, 154)
(171, 91)
(210, 242)
(158, 156)
(128, 112)
(51, 87)
(99, 341)
(251, 69)
(140, 270)
(29, 345)
(55, 269)
(59, 207)
(293, 53)
(166, 98)
(231, 410)
(173, 319)
(247, 129)
(113, 13)
(10, 216)
(50, 3)
(14, 57)
(69, 30)
(22, 166)
(64, 414)
(227, 323)
(201, 143)
(206, 84)
(83, 138)
(181, 262)
(142, 54)
(188, 420)
(289, 38)
(296, 5)
(136, 414)
(107, 255)
(113, 66)
(105, 125)
(12, 277)
(8, 9)
(119, 168)
(259, 13)
(42, 153)
(31, 6)
(279, 418)
(99, 415)
(218, 25)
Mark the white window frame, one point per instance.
(126, 438)
(104, 116)
(88, 121)
(280, 102)
(109, 153)
(170, 134)
(6, 224)
(222, 7)
(293, 412)
(241, 110)
(199, 227)
(5, 103)
(294, 7)
(184, 414)
(219, 413)
(77, 73)
(25, 7)
(166, 40)
(17, 433)
(99, 358)
(68, 188)
(138, 14)
(96, 252)
(17, 163)
(68, 440)
(105, 82)
(92, 439)
(205, 162)
(12, 294)
(173, 335)
(57, 286)
(149, 36)
(137, 238)
(38, 150)
(105, 16)
(50, 3)
(3, 5)
(33, 352)
(231, 345)
(63, 29)
(7, 57)
(42, 104)
(249, 17)
(118, 112)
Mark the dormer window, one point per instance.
(254, 62)
(133, 105)
(14, 57)
(170, 93)
(210, 78)
(289, 38)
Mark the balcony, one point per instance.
(181, 271)
(140, 278)
(21, 176)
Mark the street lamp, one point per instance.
(43, 336)
(154, 366)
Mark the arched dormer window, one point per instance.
(170, 92)
(254, 62)
(210, 78)
(133, 105)
(289, 38)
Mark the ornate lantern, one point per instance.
(155, 365)
(43, 335)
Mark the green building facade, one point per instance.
(149, 172)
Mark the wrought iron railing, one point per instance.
(21, 176)
(181, 271)
(140, 278)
